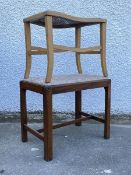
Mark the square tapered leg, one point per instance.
(23, 114)
(48, 143)
(107, 112)
(78, 107)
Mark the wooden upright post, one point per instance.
(103, 48)
(28, 49)
(50, 55)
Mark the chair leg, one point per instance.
(103, 48)
(23, 114)
(28, 48)
(28, 66)
(47, 104)
(77, 106)
(49, 39)
(107, 112)
(77, 43)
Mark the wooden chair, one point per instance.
(50, 84)
(50, 20)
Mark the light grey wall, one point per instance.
(12, 52)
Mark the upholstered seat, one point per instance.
(62, 20)
(63, 80)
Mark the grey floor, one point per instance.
(77, 151)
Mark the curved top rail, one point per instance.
(62, 20)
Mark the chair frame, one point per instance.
(52, 48)
(48, 92)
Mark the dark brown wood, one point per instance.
(93, 117)
(34, 132)
(23, 114)
(107, 112)
(47, 105)
(32, 87)
(66, 123)
(79, 120)
(63, 88)
(78, 107)
(48, 90)
(70, 122)
(79, 86)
